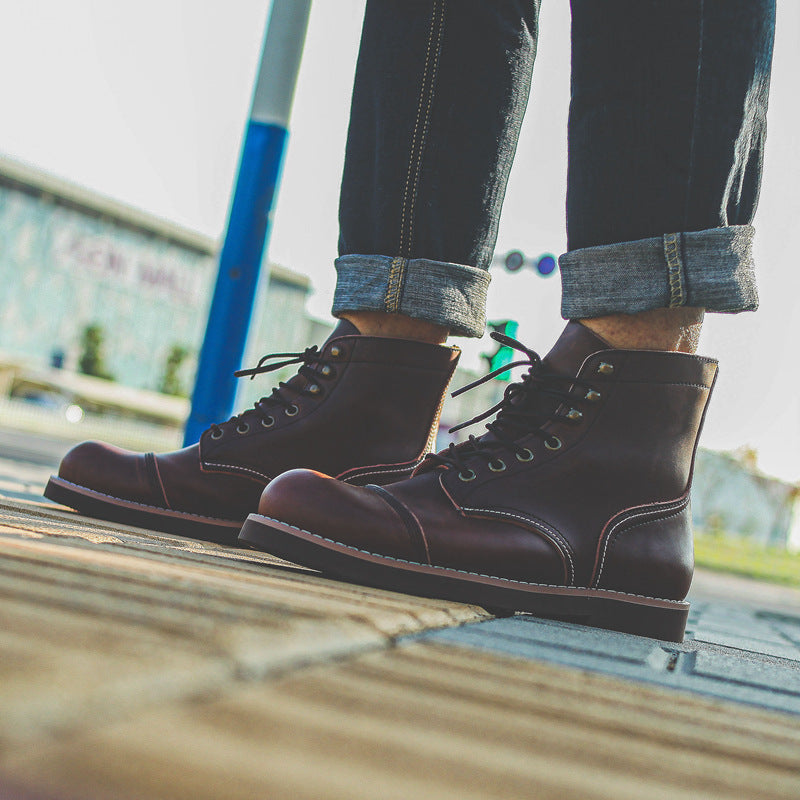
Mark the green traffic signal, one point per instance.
(503, 355)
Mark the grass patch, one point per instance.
(742, 557)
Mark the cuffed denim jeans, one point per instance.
(666, 136)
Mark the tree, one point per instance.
(171, 382)
(92, 360)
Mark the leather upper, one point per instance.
(367, 415)
(615, 487)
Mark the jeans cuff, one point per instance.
(710, 269)
(451, 295)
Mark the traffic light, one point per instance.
(545, 264)
(503, 355)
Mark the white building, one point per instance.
(70, 258)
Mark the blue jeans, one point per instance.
(666, 135)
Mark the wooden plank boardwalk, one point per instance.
(140, 665)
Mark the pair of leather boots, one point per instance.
(573, 505)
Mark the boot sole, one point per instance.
(599, 608)
(115, 509)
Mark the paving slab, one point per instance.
(99, 621)
(135, 664)
(738, 653)
(426, 721)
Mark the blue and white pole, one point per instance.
(249, 219)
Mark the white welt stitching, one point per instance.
(239, 469)
(145, 505)
(381, 472)
(464, 571)
(404, 467)
(652, 512)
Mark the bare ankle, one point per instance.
(396, 326)
(675, 329)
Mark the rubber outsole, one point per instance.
(114, 509)
(600, 608)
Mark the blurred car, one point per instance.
(52, 401)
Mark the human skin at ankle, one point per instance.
(673, 329)
(396, 326)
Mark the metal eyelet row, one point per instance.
(243, 428)
(497, 465)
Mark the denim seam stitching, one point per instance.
(700, 35)
(427, 123)
(394, 285)
(416, 130)
(426, 90)
(687, 285)
(392, 299)
(677, 296)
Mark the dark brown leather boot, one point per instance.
(364, 409)
(574, 504)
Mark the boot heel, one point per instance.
(641, 619)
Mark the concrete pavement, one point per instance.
(135, 664)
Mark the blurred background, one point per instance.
(121, 129)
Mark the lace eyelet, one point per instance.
(592, 396)
(291, 411)
(500, 468)
(336, 351)
(217, 434)
(528, 455)
(605, 368)
(268, 422)
(470, 475)
(243, 428)
(314, 389)
(553, 443)
(574, 415)
(326, 371)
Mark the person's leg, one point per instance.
(440, 91)
(575, 503)
(666, 140)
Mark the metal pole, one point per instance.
(249, 218)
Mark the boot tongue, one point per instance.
(566, 357)
(574, 345)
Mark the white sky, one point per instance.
(146, 101)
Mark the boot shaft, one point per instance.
(613, 477)
(373, 401)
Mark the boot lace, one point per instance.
(537, 398)
(314, 367)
